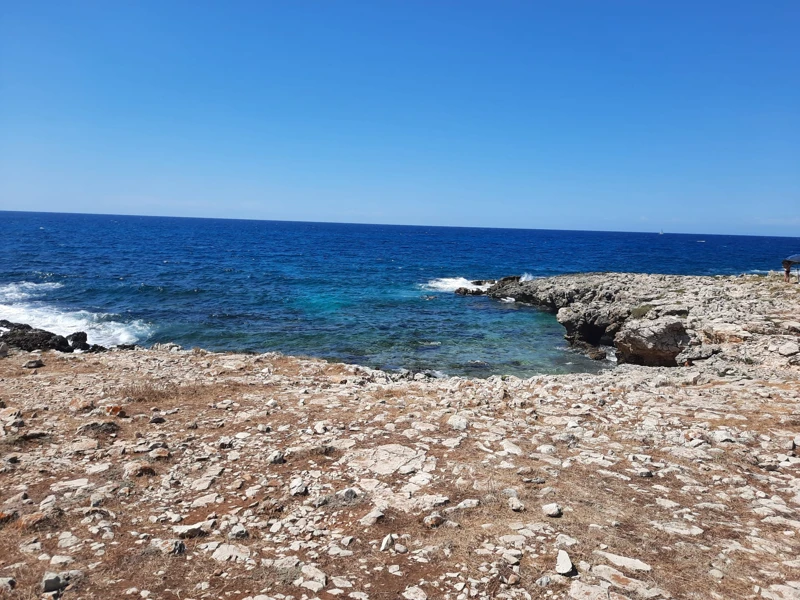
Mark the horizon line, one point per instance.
(660, 232)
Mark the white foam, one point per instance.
(508, 299)
(451, 284)
(527, 277)
(18, 304)
(25, 290)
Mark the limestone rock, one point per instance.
(653, 343)
(563, 563)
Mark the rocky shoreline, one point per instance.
(167, 473)
(665, 320)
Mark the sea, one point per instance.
(375, 295)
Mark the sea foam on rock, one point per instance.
(29, 339)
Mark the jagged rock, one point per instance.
(654, 343)
(298, 487)
(238, 532)
(276, 457)
(98, 428)
(25, 337)
(33, 364)
(168, 546)
(3, 349)
(195, 530)
(137, 468)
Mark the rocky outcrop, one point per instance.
(655, 342)
(27, 338)
(662, 320)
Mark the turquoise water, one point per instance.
(369, 294)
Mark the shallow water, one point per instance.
(371, 294)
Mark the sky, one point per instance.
(613, 115)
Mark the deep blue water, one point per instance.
(372, 294)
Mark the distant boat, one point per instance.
(661, 232)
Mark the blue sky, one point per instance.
(631, 116)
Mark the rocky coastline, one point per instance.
(666, 320)
(166, 473)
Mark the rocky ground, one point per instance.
(186, 474)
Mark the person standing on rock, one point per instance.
(787, 270)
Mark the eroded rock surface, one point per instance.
(665, 320)
(170, 474)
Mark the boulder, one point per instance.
(29, 339)
(653, 343)
(78, 341)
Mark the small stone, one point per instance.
(238, 532)
(298, 487)
(433, 520)
(174, 547)
(631, 564)
(515, 504)
(52, 582)
(458, 422)
(789, 349)
(276, 457)
(194, 530)
(414, 593)
(552, 510)
(387, 543)
(33, 364)
(7, 584)
(137, 468)
(563, 563)
(371, 517)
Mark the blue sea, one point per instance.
(376, 295)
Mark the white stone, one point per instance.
(563, 563)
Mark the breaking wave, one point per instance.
(19, 303)
(451, 284)
(25, 290)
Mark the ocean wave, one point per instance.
(451, 284)
(25, 290)
(19, 304)
(527, 277)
